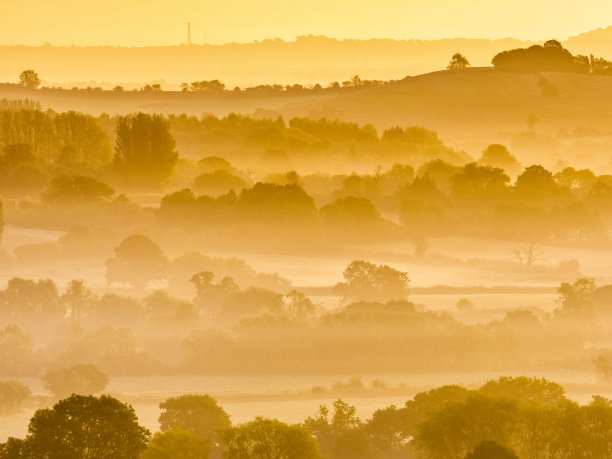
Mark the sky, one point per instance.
(163, 22)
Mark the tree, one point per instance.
(137, 261)
(499, 156)
(77, 379)
(576, 297)
(29, 79)
(367, 282)
(458, 62)
(145, 149)
(12, 395)
(342, 436)
(86, 426)
(77, 189)
(455, 430)
(176, 444)
(300, 305)
(525, 390)
(16, 352)
(352, 218)
(491, 450)
(199, 414)
(270, 438)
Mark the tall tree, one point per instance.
(85, 426)
(145, 148)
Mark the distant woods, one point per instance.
(550, 57)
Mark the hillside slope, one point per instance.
(472, 100)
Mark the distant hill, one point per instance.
(597, 42)
(309, 59)
(473, 100)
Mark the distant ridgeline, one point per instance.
(551, 57)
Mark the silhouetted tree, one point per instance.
(86, 426)
(368, 282)
(176, 444)
(138, 260)
(77, 379)
(12, 395)
(29, 79)
(145, 148)
(499, 156)
(491, 450)
(458, 62)
(76, 189)
(269, 438)
(199, 414)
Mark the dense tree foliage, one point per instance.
(269, 438)
(81, 426)
(12, 395)
(137, 261)
(198, 414)
(78, 379)
(145, 148)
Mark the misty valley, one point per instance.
(370, 268)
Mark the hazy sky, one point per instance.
(144, 22)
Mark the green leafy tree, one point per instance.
(138, 260)
(29, 79)
(176, 444)
(85, 427)
(270, 438)
(199, 414)
(77, 379)
(145, 149)
(368, 282)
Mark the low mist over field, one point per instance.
(309, 248)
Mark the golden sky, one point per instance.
(158, 22)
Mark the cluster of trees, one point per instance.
(267, 330)
(506, 418)
(439, 198)
(31, 80)
(550, 57)
(279, 145)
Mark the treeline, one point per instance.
(211, 87)
(551, 57)
(506, 418)
(231, 329)
(37, 145)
